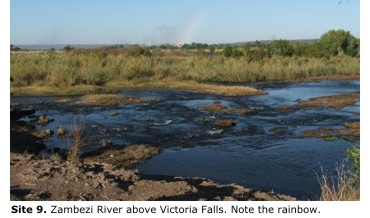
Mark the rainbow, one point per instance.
(190, 28)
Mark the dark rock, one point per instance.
(19, 111)
(25, 142)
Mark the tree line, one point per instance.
(331, 43)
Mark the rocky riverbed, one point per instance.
(104, 174)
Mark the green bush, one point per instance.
(354, 156)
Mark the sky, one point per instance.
(177, 21)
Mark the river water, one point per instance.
(249, 154)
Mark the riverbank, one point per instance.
(35, 179)
(114, 87)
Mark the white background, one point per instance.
(332, 209)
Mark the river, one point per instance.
(249, 154)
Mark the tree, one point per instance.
(186, 46)
(247, 49)
(236, 53)
(354, 48)
(336, 42)
(13, 48)
(280, 47)
(227, 51)
(315, 50)
(212, 49)
(68, 48)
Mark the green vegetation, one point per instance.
(354, 156)
(339, 42)
(330, 138)
(14, 48)
(68, 48)
(103, 70)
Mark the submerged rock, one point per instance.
(43, 121)
(44, 133)
(61, 131)
(225, 123)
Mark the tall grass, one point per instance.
(61, 69)
(339, 189)
(346, 185)
(76, 140)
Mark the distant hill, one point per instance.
(61, 46)
(263, 42)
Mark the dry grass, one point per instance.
(243, 111)
(114, 86)
(335, 101)
(352, 130)
(216, 107)
(109, 100)
(76, 140)
(322, 132)
(215, 89)
(92, 71)
(53, 90)
(342, 189)
(222, 89)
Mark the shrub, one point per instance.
(227, 51)
(76, 140)
(68, 48)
